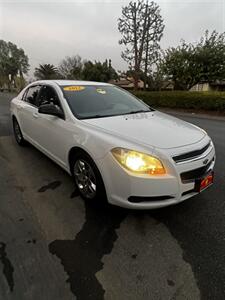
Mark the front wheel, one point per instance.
(88, 179)
(17, 133)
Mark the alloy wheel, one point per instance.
(85, 178)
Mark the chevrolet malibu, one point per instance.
(116, 147)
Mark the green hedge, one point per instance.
(186, 100)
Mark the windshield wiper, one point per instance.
(96, 117)
(115, 115)
(139, 111)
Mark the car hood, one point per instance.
(154, 128)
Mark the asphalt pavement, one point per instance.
(53, 245)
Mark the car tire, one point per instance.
(18, 133)
(88, 179)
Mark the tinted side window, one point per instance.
(48, 95)
(32, 95)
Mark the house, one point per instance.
(127, 82)
(204, 86)
(167, 85)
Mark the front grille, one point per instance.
(190, 155)
(195, 174)
(137, 199)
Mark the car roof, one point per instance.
(72, 82)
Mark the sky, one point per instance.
(50, 30)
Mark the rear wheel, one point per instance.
(88, 179)
(17, 133)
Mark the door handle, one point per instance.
(35, 115)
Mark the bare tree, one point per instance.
(141, 26)
(71, 67)
(153, 36)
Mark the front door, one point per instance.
(51, 131)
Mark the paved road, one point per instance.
(55, 246)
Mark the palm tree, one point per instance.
(46, 71)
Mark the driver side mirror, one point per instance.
(51, 109)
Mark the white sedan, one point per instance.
(117, 148)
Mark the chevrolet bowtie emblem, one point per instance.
(205, 161)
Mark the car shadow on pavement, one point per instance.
(82, 257)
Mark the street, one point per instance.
(53, 245)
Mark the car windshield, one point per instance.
(95, 101)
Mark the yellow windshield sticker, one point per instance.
(74, 88)
(101, 91)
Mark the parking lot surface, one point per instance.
(53, 245)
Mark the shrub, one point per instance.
(186, 100)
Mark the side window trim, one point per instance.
(24, 95)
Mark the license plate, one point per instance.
(203, 183)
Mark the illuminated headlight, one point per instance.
(138, 162)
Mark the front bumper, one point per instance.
(150, 192)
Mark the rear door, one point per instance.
(28, 111)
